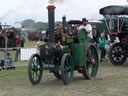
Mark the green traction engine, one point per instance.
(65, 51)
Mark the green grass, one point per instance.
(31, 43)
(110, 81)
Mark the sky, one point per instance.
(12, 11)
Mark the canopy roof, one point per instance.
(114, 10)
(75, 22)
(80, 22)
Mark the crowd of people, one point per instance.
(105, 44)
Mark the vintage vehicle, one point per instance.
(119, 51)
(65, 51)
(10, 32)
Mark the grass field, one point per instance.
(110, 81)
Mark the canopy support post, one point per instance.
(106, 24)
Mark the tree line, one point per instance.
(30, 23)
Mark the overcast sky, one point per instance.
(18, 10)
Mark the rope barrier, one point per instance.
(13, 66)
(12, 48)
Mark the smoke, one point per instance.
(6, 14)
(56, 1)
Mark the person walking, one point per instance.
(18, 44)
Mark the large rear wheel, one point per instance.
(117, 54)
(91, 62)
(35, 69)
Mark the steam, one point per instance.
(56, 1)
(6, 14)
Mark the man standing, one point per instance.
(88, 28)
(18, 44)
(22, 36)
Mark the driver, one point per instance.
(88, 28)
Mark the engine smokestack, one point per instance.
(51, 20)
(64, 23)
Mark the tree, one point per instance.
(40, 25)
(29, 23)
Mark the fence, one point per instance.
(26, 52)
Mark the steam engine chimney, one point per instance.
(51, 20)
(64, 23)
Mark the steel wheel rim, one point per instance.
(67, 68)
(92, 67)
(117, 54)
(36, 69)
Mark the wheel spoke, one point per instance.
(33, 73)
(89, 70)
(34, 61)
(67, 69)
(89, 53)
(93, 53)
(37, 75)
(66, 75)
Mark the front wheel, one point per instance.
(35, 69)
(67, 68)
(91, 62)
